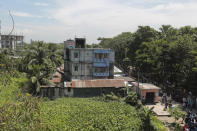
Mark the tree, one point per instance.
(40, 61)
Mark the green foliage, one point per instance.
(145, 115)
(17, 111)
(9, 85)
(20, 111)
(40, 61)
(131, 99)
(111, 96)
(23, 114)
(88, 114)
(176, 113)
(157, 124)
(166, 56)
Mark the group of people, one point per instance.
(189, 101)
(190, 121)
(167, 101)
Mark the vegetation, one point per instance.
(22, 111)
(177, 114)
(167, 56)
(39, 62)
(88, 114)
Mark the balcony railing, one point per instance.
(102, 51)
(101, 62)
(101, 74)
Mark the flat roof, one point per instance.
(125, 78)
(146, 86)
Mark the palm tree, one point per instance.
(40, 62)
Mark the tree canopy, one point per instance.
(167, 56)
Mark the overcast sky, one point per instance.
(58, 20)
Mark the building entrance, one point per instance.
(150, 97)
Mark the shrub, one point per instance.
(24, 114)
(131, 99)
(111, 96)
(176, 113)
(157, 125)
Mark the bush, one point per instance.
(131, 99)
(176, 113)
(23, 115)
(111, 96)
(157, 125)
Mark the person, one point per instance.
(185, 128)
(170, 105)
(184, 105)
(166, 105)
(143, 100)
(184, 99)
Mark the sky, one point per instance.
(59, 20)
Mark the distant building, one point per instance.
(82, 63)
(14, 42)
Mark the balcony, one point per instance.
(101, 62)
(101, 74)
(102, 51)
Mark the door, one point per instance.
(150, 97)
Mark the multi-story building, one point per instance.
(14, 42)
(82, 63)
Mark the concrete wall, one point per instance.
(112, 57)
(92, 92)
(111, 70)
(84, 69)
(84, 55)
(84, 61)
(156, 92)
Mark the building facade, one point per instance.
(82, 63)
(14, 42)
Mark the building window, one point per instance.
(101, 70)
(76, 55)
(75, 68)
